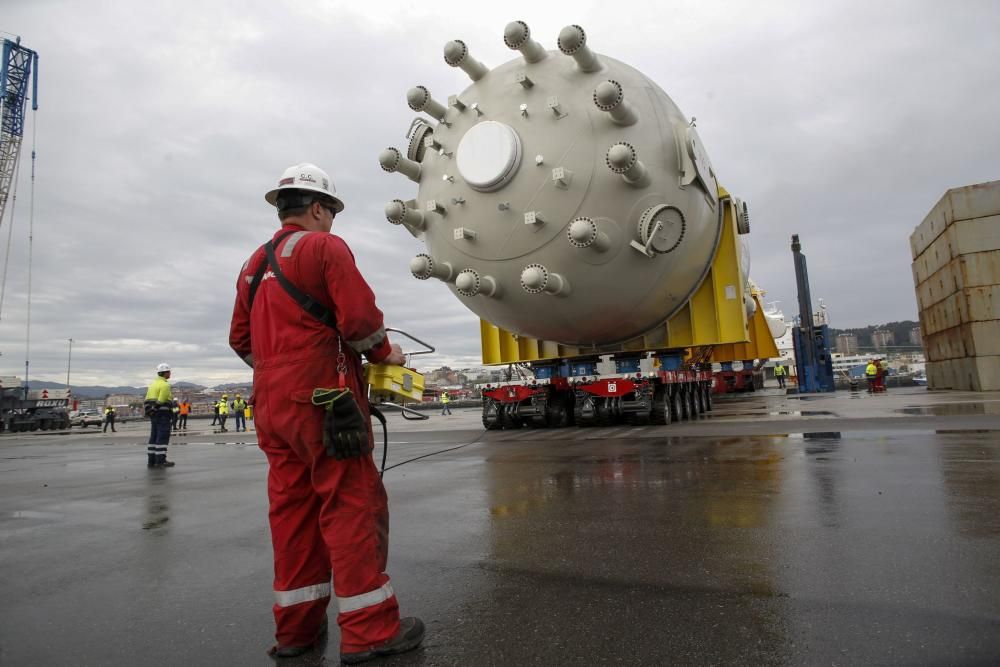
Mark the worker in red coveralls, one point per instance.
(328, 508)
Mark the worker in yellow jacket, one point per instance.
(223, 411)
(871, 374)
(158, 406)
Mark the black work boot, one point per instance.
(150, 460)
(411, 633)
(277, 652)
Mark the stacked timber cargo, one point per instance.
(956, 270)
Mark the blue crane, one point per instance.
(18, 66)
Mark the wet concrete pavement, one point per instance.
(835, 530)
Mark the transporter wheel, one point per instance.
(491, 416)
(692, 392)
(683, 402)
(508, 419)
(584, 410)
(674, 401)
(45, 424)
(604, 411)
(707, 392)
(660, 414)
(556, 414)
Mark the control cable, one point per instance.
(385, 445)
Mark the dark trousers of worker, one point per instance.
(159, 436)
(109, 421)
(222, 421)
(326, 516)
(215, 419)
(241, 420)
(445, 410)
(182, 422)
(781, 381)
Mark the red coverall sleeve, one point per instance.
(358, 318)
(239, 327)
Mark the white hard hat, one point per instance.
(308, 177)
(162, 368)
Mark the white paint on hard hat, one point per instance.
(308, 177)
(488, 155)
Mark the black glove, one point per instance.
(345, 433)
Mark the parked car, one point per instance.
(86, 418)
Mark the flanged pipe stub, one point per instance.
(573, 42)
(609, 97)
(392, 160)
(517, 35)
(536, 279)
(622, 159)
(456, 54)
(423, 267)
(397, 212)
(583, 233)
(419, 98)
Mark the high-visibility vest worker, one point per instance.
(185, 408)
(779, 370)
(224, 405)
(239, 405)
(160, 393)
(159, 402)
(445, 398)
(871, 370)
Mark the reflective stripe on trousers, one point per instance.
(300, 595)
(320, 591)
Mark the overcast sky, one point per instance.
(162, 124)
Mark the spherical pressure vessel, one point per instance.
(572, 182)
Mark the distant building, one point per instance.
(882, 338)
(847, 343)
(915, 338)
(123, 399)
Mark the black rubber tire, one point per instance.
(684, 403)
(660, 414)
(673, 400)
(556, 414)
(708, 396)
(603, 415)
(491, 424)
(693, 400)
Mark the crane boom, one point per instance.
(18, 66)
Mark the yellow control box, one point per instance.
(394, 383)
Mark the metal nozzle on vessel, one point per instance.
(609, 97)
(419, 99)
(397, 213)
(573, 42)
(517, 36)
(392, 160)
(583, 233)
(536, 279)
(622, 159)
(423, 267)
(456, 54)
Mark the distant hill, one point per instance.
(100, 391)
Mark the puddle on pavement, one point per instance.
(945, 409)
(772, 413)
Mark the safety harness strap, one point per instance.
(309, 304)
(259, 273)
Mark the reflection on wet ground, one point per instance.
(820, 543)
